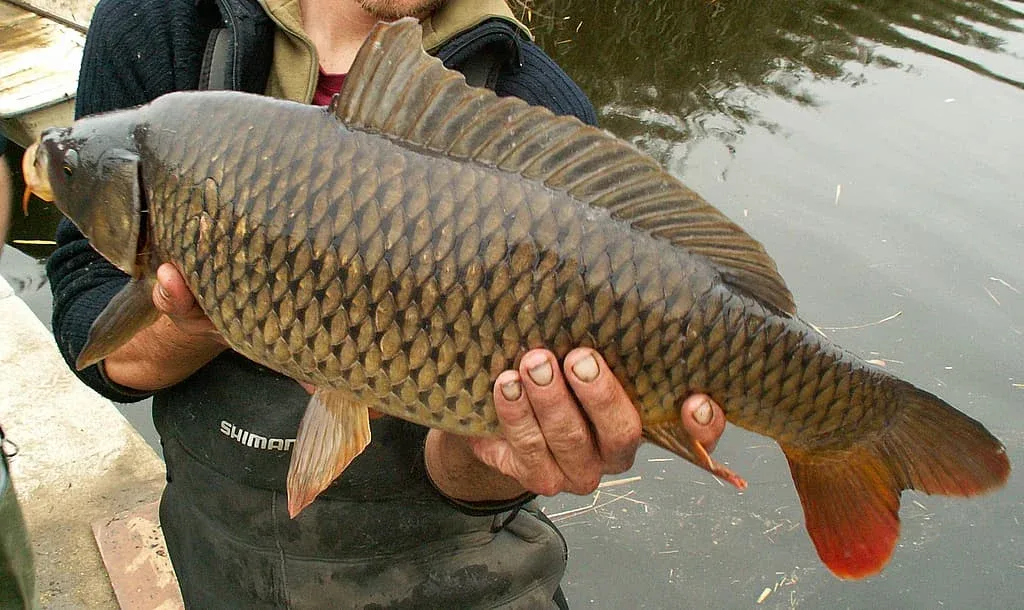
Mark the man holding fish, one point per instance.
(424, 518)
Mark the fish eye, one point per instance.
(70, 162)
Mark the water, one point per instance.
(875, 148)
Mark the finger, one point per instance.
(526, 457)
(496, 452)
(703, 419)
(562, 422)
(615, 420)
(171, 295)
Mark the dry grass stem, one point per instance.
(617, 482)
(34, 242)
(565, 514)
(858, 326)
(817, 330)
(1004, 283)
(989, 292)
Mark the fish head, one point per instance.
(91, 172)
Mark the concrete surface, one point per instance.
(79, 461)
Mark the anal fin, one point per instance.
(130, 311)
(671, 435)
(333, 432)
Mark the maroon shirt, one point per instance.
(326, 86)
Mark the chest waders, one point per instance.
(17, 580)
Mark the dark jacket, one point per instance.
(381, 533)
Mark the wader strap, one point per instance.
(216, 61)
(481, 70)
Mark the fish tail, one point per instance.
(851, 496)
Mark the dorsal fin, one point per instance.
(394, 88)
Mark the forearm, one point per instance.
(159, 356)
(457, 473)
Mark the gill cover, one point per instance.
(111, 218)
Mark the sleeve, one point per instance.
(111, 77)
(542, 82)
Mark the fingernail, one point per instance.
(163, 292)
(511, 390)
(586, 368)
(541, 374)
(702, 414)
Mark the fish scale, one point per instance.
(782, 372)
(401, 248)
(299, 333)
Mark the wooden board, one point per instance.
(39, 62)
(74, 11)
(135, 555)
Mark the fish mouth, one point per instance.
(36, 181)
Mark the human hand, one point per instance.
(172, 298)
(181, 340)
(550, 443)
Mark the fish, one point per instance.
(401, 247)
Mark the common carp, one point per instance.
(403, 246)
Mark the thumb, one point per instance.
(703, 420)
(170, 294)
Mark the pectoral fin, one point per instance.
(126, 314)
(334, 430)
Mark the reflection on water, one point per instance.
(686, 69)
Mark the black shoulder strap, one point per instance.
(217, 61)
(481, 70)
(483, 52)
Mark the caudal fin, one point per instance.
(851, 497)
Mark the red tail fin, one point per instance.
(851, 496)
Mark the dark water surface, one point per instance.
(875, 148)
